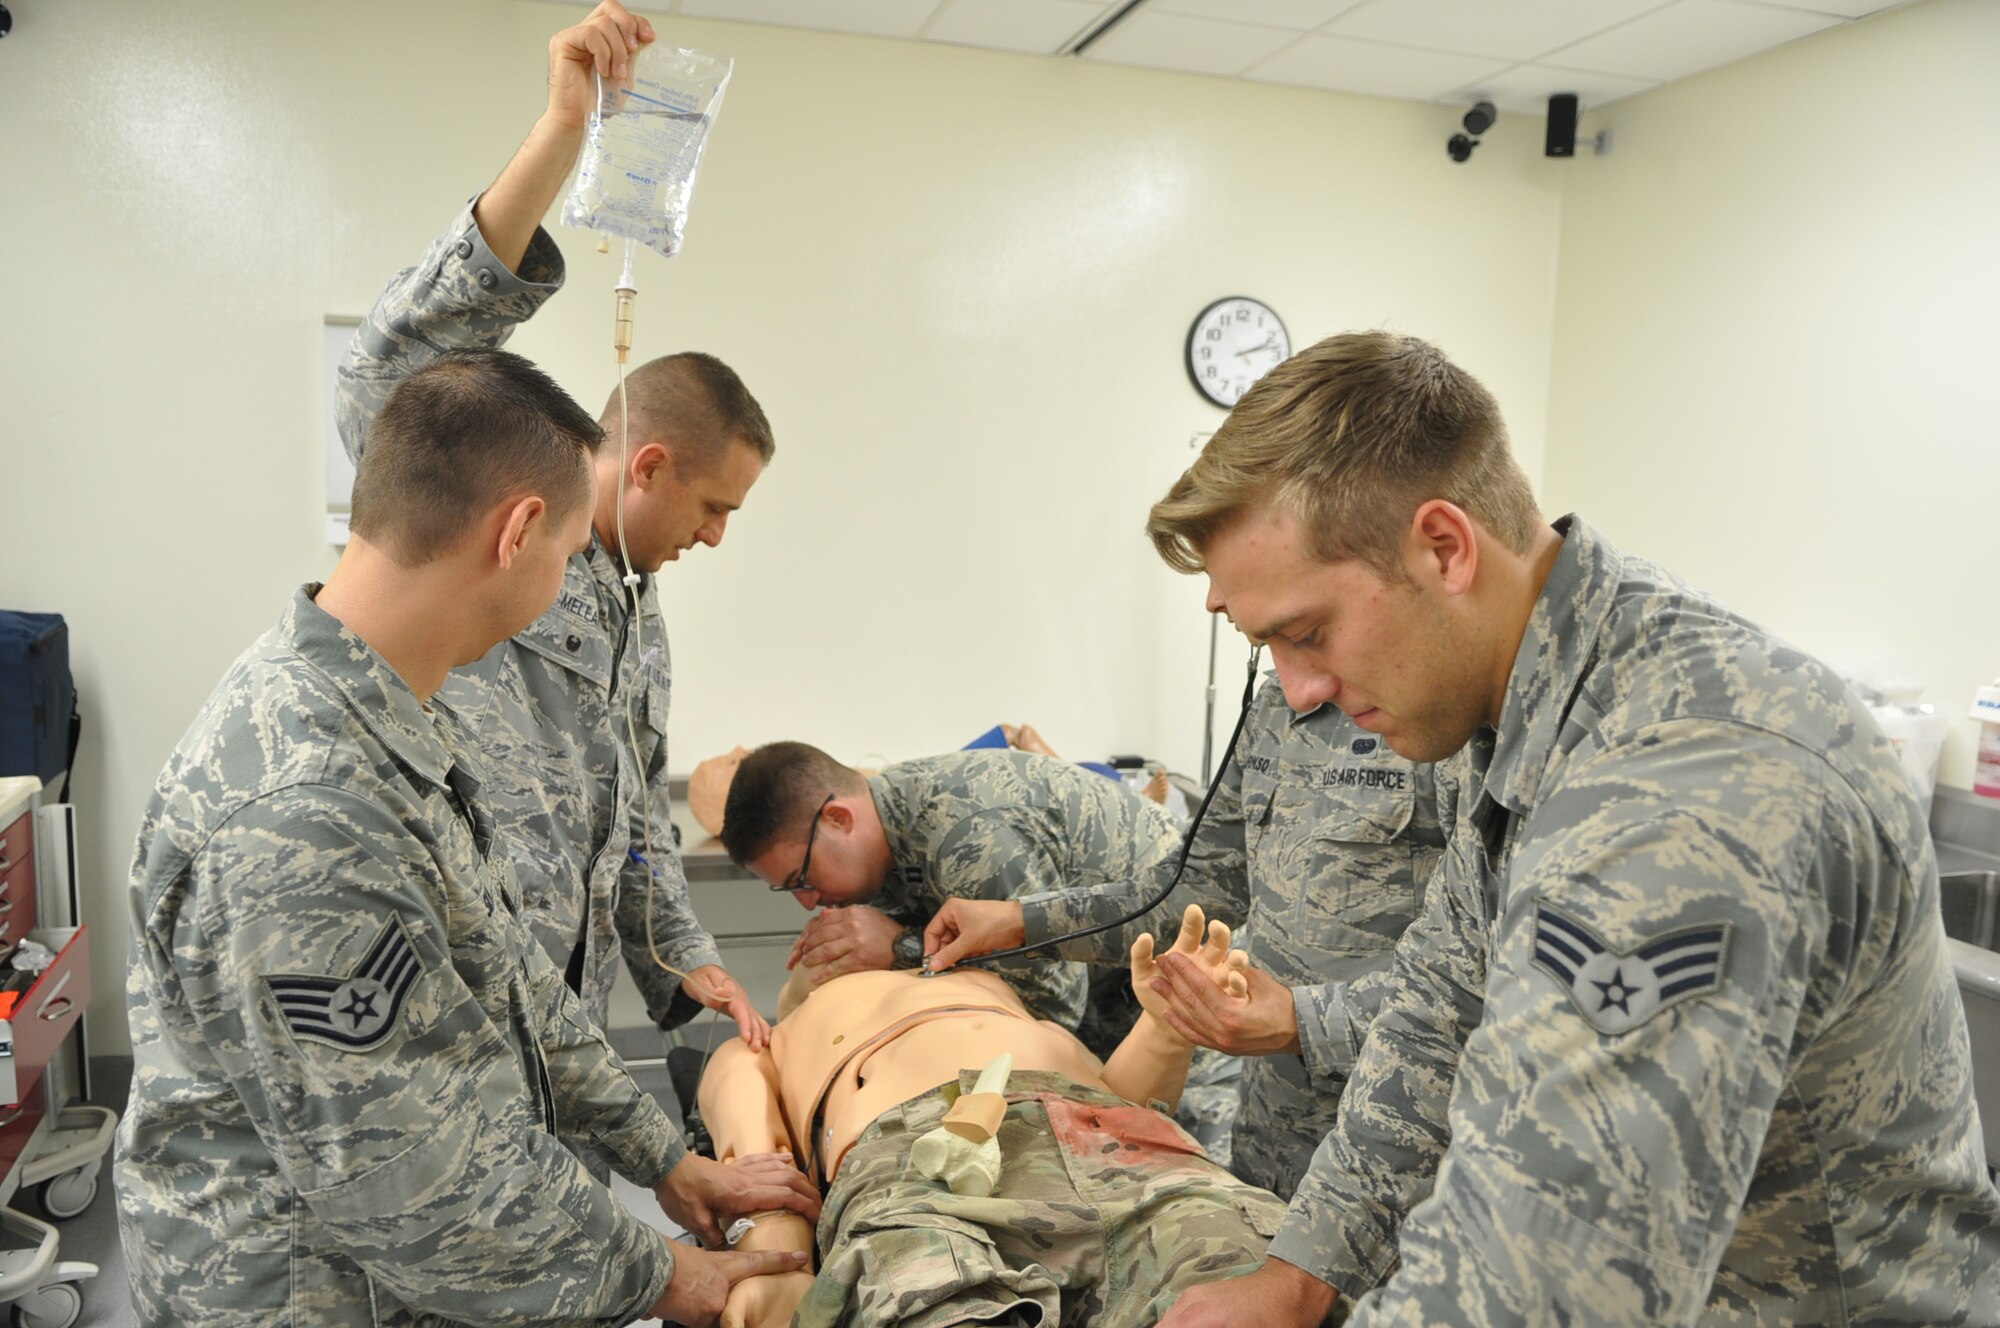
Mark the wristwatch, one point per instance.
(908, 948)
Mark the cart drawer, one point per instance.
(17, 879)
(17, 843)
(17, 901)
(45, 1013)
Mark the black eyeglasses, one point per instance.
(798, 882)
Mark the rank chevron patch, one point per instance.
(357, 1012)
(1617, 992)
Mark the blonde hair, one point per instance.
(1351, 436)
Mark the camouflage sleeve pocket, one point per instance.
(1264, 1213)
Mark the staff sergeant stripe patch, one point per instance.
(357, 1012)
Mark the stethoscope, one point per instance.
(1180, 866)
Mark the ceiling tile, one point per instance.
(1508, 31)
(1194, 45)
(1525, 89)
(1298, 15)
(1689, 36)
(1843, 8)
(1039, 27)
(1372, 69)
(876, 18)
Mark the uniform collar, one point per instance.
(1294, 718)
(1556, 651)
(1269, 698)
(894, 812)
(608, 572)
(375, 692)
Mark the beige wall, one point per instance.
(1756, 338)
(958, 280)
(1776, 340)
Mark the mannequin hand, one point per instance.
(1263, 1020)
(1207, 960)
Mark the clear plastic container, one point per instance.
(643, 147)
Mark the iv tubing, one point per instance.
(1180, 866)
(621, 341)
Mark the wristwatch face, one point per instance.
(1234, 342)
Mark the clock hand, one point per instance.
(1266, 344)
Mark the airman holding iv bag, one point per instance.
(570, 714)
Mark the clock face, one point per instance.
(1233, 343)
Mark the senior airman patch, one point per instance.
(354, 1013)
(1617, 992)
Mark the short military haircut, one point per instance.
(775, 793)
(473, 429)
(696, 406)
(1351, 436)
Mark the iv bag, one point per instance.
(643, 147)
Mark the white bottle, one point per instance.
(1986, 773)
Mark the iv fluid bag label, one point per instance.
(641, 175)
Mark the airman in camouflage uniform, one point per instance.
(980, 824)
(547, 708)
(1320, 839)
(1686, 970)
(1004, 824)
(350, 1079)
(571, 714)
(1105, 1212)
(1677, 1038)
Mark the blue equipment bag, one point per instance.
(38, 719)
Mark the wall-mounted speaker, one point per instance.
(1561, 139)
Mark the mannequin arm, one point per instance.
(1150, 1065)
(1152, 1062)
(739, 1101)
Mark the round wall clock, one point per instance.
(1234, 342)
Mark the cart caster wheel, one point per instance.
(57, 1305)
(68, 1194)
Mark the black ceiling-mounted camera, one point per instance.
(1477, 121)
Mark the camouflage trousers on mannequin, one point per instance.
(1105, 1213)
(1209, 1103)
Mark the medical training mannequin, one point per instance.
(852, 1049)
(708, 787)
